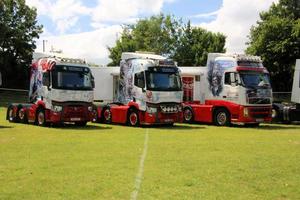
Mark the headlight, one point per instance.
(57, 108)
(246, 112)
(179, 108)
(151, 109)
(90, 108)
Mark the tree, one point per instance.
(276, 38)
(167, 36)
(196, 43)
(18, 29)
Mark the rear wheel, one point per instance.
(133, 118)
(40, 118)
(188, 115)
(22, 116)
(10, 114)
(221, 117)
(107, 115)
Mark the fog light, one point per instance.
(90, 108)
(57, 108)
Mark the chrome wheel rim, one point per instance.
(188, 114)
(221, 118)
(41, 118)
(133, 118)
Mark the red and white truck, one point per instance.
(147, 91)
(232, 89)
(61, 90)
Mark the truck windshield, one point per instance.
(255, 80)
(72, 78)
(163, 81)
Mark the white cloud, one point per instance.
(206, 15)
(91, 46)
(235, 19)
(64, 13)
(125, 10)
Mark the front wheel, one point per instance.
(221, 117)
(107, 116)
(40, 118)
(133, 118)
(188, 115)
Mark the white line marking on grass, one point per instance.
(139, 176)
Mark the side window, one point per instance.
(139, 80)
(230, 78)
(227, 79)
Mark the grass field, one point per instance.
(182, 162)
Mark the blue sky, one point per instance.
(84, 28)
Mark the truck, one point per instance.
(60, 91)
(233, 89)
(148, 91)
(289, 112)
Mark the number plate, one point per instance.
(259, 120)
(75, 119)
(169, 120)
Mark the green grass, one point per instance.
(182, 162)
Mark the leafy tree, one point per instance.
(276, 38)
(167, 36)
(196, 43)
(18, 29)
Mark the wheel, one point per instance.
(40, 118)
(10, 114)
(133, 118)
(106, 115)
(188, 115)
(81, 124)
(22, 116)
(276, 117)
(221, 117)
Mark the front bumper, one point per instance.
(253, 114)
(72, 112)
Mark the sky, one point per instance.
(85, 28)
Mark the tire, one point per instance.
(40, 117)
(80, 124)
(221, 117)
(106, 115)
(188, 115)
(10, 114)
(133, 118)
(22, 116)
(276, 115)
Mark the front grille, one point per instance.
(263, 112)
(74, 111)
(259, 100)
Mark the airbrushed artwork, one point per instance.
(125, 82)
(214, 77)
(36, 77)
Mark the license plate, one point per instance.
(168, 120)
(259, 120)
(75, 119)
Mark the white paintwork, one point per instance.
(104, 82)
(296, 83)
(132, 55)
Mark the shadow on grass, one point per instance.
(174, 127)
(5, 127)
(87, 127)
(270, 127)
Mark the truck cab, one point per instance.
(150, 92)
(61, 90)
(234, 89)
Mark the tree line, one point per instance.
(275, 37)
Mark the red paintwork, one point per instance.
(160, 118)
(204, 112)
(255, 69)
(119, 113)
